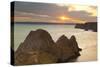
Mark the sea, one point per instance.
(87, 40)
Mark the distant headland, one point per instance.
(88, 26)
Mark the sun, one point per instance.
(66, 18)
(63, 18)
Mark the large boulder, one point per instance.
(37, 48)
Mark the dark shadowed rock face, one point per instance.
(68, 48)
(74, 44)
(64, 46)
(88, 26)
(35, 42)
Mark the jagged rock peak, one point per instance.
(72, 37)
(74, 44)
(62, 38)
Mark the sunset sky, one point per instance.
(54, 13)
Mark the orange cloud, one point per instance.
(88, 9)
(22, 18)
(74, 20)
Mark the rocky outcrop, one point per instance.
(65, 50)
(68, 48)
(36, 44)
(39, 48)
(74, 45)
(88, 26)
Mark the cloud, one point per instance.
(40, 8)
(32, 17)
(51, 12)
(19, 13)
(88, 9)
(83, 15)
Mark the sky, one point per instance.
(54, 12)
